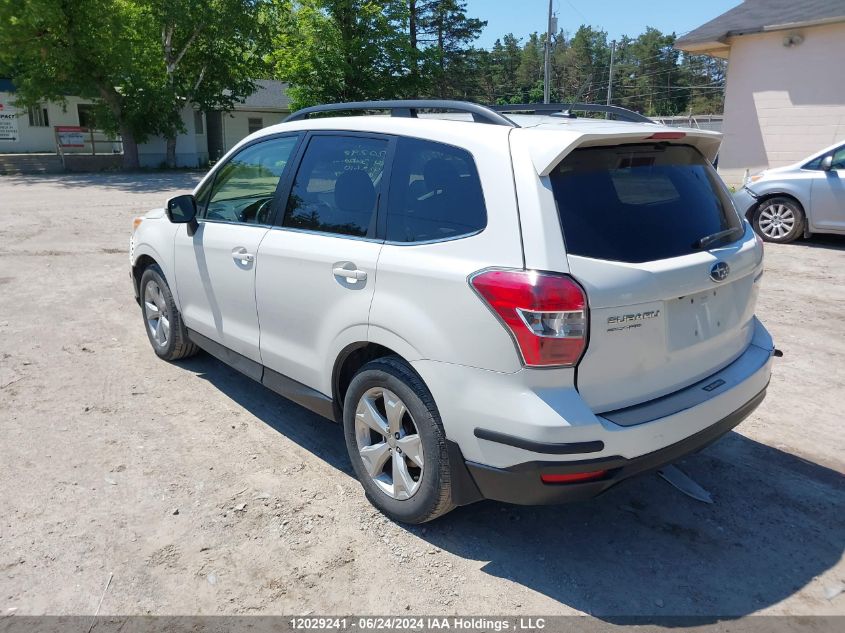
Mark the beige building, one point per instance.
(207, 136)
(785, 93)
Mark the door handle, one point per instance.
(239, 254)
(349, 273)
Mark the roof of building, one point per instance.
(269, 95)
(755, 16)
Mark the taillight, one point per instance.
(545, 313)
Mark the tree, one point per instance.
(140, 61)
(589, 56)
(90, 48)
(210, 53)
(705, 81)
(342, 50)
(506, 58)
(444, 31)
(648, 69)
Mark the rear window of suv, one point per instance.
(637, 203)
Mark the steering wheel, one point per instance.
(262, 213)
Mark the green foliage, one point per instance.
(348, 50)
(208, 54)
(445, 33)
(53, 48)
(144, 61)
(341, 50)
(141, 61)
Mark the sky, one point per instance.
(617, 17)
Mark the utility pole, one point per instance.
(547, 67)
(610, 73)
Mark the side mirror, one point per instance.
(827, 162)
(183, 210)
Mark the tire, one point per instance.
(779, 220)
(388, 489)
(167, 332)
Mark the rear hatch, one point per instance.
(669, 268)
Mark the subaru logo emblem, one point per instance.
(719, 271)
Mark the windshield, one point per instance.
(638, 203)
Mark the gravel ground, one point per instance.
(203, 493)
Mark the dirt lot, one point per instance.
(201, 492)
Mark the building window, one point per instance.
(38, 116)
(198, 129)
(255, 124)
(85, 112)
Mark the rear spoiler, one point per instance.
(549, 147)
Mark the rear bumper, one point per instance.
(507, 430)
(521, 483)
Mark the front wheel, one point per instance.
(779, 220)
(165, 328)
(396, 442)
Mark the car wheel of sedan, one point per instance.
(163, 323)
(396, 442)
(779, 220)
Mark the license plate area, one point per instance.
(696, 318)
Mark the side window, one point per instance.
(814, 164)
(244, 187)
(838, 158)
(435, 193)
(336, 186)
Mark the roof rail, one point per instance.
(566, 109)
(408, 108)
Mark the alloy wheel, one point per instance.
(155, 313)
(389, 443)
(776, 221)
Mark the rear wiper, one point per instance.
(709, 239)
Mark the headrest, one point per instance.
(354, 191)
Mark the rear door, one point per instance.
(669, 268)
(318, 264)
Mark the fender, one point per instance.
(781, 189)
(391, 340)
(154, 241)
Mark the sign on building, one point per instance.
(71, 136)
(8, 123)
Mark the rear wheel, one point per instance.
(396, 442)
(779, 219)
(163, 323)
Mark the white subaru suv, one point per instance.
(529, 308)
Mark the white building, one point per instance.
(208, 135)
(785, 92)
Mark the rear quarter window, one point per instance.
(435, 193)
(637, 203)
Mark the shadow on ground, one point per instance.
(131, 182)
(642, 549)
(834, 242)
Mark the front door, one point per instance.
(318, 267)
(215, 267)
(828, 195)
